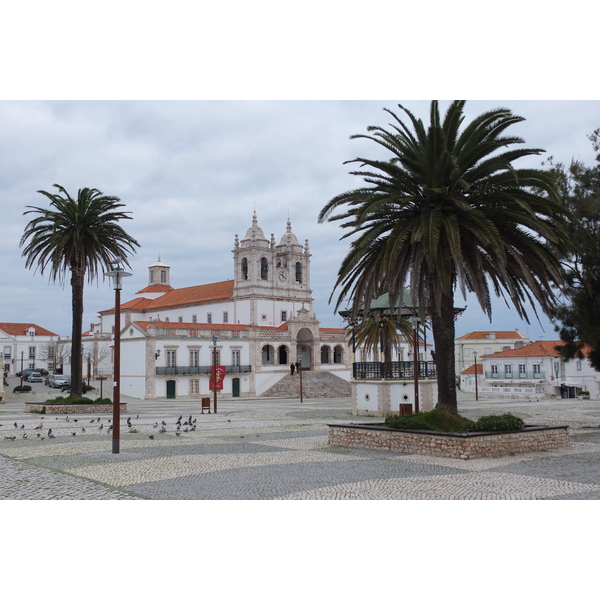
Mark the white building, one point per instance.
(27, 346)
(533, 371)
(485, 342)
(261, 321)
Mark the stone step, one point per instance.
(315, 384)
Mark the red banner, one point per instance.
(220, 377)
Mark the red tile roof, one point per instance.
(22, 329)
(155, 288)
(471, 370)
(135, 304)
(500, 335)
(539, 348)
(197, 294)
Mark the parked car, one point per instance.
(66, 387)
(56, 381)
(35, 377)
(25, 373)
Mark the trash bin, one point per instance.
(205, 405)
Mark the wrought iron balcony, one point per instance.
(393, 370)
(180, 370)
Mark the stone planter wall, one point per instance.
(68, 409)
(449, 445)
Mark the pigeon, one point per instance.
(193, 428)
(177, 433)
(101, 427)
(93, 421)
(151, 437)
(24, 436)
(155, 425)
(83, 430)
(163, 424)
(185, 430)
(16, 426)
(50, 435)
(50, 432)
(74, 420)
(73, 433)
(22, 426)
(67, 420)
(40, 426)
(162, 430)
(10, 437)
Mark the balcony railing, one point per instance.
(393, 370)
(161, 371)
(527, 374)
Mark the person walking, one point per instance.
(292, 367)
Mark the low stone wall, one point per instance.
(449, 445)
(68, 409)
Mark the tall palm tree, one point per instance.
(449, 210)
(76, 237)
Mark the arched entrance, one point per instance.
(283, 355)
(304, 347)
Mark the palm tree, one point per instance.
(76, 237)
(449, 210)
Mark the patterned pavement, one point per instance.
(276, 449)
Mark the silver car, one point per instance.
(35, 377)
(56, 381)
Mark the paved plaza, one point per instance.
(276, 449)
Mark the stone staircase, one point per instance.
(315, 384)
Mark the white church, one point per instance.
(259, 323)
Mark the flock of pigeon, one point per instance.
(188, 425)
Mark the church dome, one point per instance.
(255, 234)
(289, 238)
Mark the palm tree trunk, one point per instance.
(77, 281)
(442, 322)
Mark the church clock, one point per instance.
(282, 275)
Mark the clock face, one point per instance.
(282, 275)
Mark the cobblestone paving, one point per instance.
(257, 449)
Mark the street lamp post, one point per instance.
(414, 322)
(214, 339)
(476, 378)
(22, 367)
(300, 369)
(117, 275)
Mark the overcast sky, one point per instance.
(192, 172)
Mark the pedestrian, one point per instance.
(298, 366)
(5, 381)
(292, 367)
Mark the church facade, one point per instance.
(256, 325)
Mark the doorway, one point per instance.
(170, 388)
(235, 387)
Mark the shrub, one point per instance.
(22, 388)
(506, 422)
(437, 419)
(71, 400)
